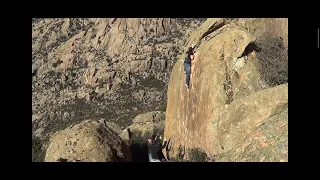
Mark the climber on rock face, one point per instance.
(153, 149)
(187, 64)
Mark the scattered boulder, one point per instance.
(146, 124)
(88, 141)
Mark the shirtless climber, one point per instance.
(187, 64)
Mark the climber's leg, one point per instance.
(184, 66)
(188, 71)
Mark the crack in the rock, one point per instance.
(212, 29)
(227, 84)
(114, 20)
(250, 48)
(163, 25)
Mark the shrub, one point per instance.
(273, 59)
(197, 155)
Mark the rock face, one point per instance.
(234, 110)
(113, 68)
(268, 142)
(89, 141)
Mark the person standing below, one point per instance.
(154, 149)
(149, 148)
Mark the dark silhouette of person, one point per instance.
(154, 150)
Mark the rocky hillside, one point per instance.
(237, 106)
(96, 80)
(103, 141)
(91, 68)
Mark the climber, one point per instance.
(187, 64)
(154, 148)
